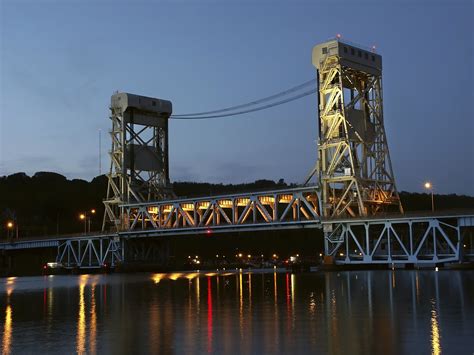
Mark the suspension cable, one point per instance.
(281, 102)
(251, 103)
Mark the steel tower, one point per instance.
(354, 168)
(139, 169)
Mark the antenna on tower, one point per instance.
(100, 152)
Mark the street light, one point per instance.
(9, 229)
(429, 187)
(86, 217)
(10, 226)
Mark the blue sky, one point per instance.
(62, 60)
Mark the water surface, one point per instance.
(357, 312)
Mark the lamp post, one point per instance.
(429, 187)
(86, 217)
(9, 229)
(10, 226)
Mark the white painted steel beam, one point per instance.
(400, 240)
(231, 212)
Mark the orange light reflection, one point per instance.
(7, 331)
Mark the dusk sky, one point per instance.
(62, 60)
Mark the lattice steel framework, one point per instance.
(354, 168)
(94, 252)
(401, 240)
(139, 170)
(256, 210)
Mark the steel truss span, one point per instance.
(417, 240)
(292, 207)
(93, 252)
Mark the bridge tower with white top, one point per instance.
(139, 170)
(354, 170)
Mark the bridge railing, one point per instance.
(279, 207)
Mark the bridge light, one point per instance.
(429, 186)
(9, 224)
(209, 231)
(275, 256)
(249, 256)
(93, 211)
(240, 255)
(341, 254)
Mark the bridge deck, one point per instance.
(295, 207)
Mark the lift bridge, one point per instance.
(350, 193)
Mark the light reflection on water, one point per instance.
(7, 331)
(81, 318)
(435, 337)
(210, 312)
